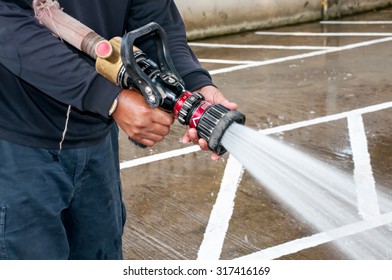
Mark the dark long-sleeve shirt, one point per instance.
(40, 76)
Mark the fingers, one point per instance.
(203, 144)
(150, 135)
(215, 96)
(215, 156)
(154, 130)
(140, 122)
(161, 117)
(191, 136)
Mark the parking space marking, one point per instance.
(269, 47)
(223, 61)
(218, 224)
(158, 157)
(375, 22)
(300, 244)
(367, 200)
(328, 118)
(325, 34)
(301, 56)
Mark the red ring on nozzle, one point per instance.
(180, 102)
(204, 105)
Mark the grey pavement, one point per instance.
(318, 86)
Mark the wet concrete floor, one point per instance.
(169, 201)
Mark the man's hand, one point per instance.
(214, 96)
(140, 122)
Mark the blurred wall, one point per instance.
(205, 18)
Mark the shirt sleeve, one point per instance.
(166, 14)
(32, 53)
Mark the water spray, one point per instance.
(125, 65)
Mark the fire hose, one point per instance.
(125, 65)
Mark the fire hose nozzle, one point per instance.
(210, 120)
(125, 65)
(162, 86)
(214, 123)
(168, 91)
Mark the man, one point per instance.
(60, 190)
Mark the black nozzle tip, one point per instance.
(214, 123)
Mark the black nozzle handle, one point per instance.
(148, 88)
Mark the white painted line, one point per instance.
(343, 115)
(318, 239)
(270, 47)
(356, 22)
(221, 213)
(223, 61)
(301, 56)
(157, 157)
(278, 129)
(325, 34)
(368, 206)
